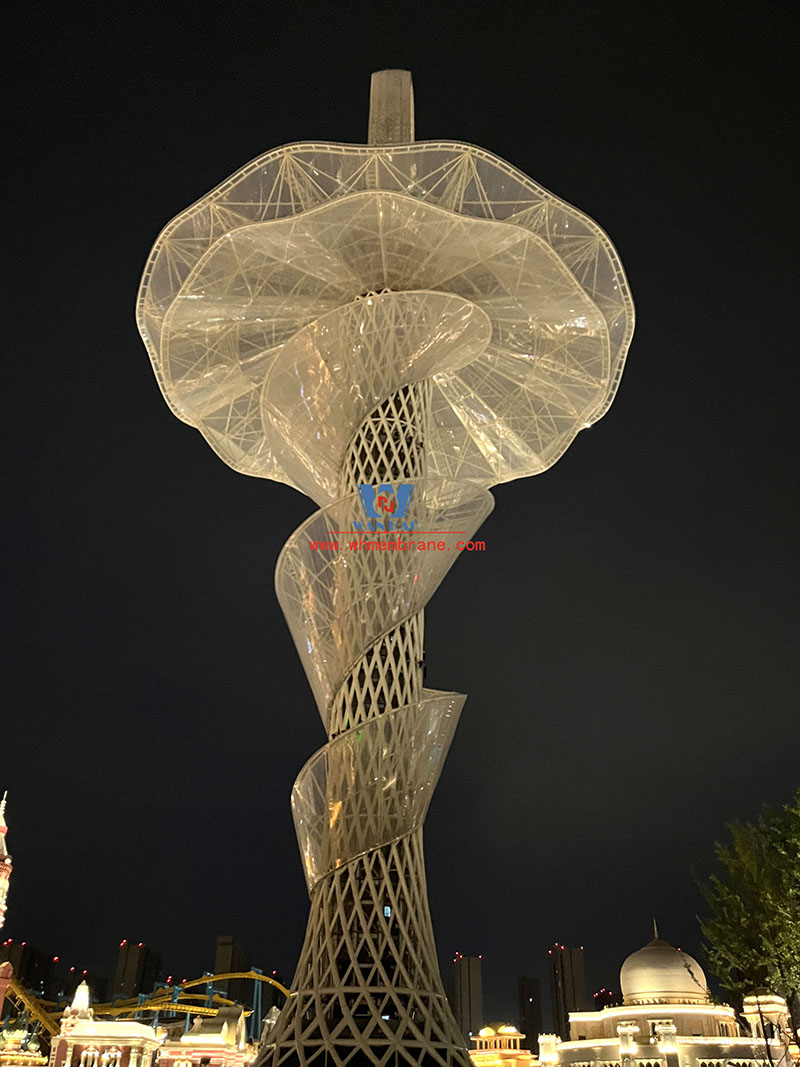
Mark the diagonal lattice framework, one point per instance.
(340, 316)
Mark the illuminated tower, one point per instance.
(390, 328)
(5, 861)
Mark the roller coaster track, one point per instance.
(171, 998)
(35, 1008)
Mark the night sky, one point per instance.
(628, 640)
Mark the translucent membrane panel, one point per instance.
(372, 784)
(237, 322)
(336, 370)
(263, 255)
(342, 585)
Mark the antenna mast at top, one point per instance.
(391, 108)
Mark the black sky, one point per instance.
(628, 642)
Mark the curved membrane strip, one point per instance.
(338, 601)
(372, 784)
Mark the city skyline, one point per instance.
(640, 683)
(56, 977)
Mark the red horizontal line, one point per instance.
(397, 532)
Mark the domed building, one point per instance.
(666, 1019)
(499, 1045)
(659, 973)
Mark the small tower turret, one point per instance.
(5, 861)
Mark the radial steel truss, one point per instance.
(417, 317)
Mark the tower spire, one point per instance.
(391, 108)
(5, 860)
(3, 827)
(655, 930)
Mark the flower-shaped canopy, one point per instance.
(267, 306)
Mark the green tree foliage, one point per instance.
(752, 935)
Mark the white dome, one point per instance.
(659, 973)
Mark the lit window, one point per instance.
(387, 911)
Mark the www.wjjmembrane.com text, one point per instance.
(398, 545)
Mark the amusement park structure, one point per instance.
(391, 328)
(166, 1000)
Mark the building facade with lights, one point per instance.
(84, 1041)
(214, 1041)
(20, 1048)
(218, 1040)
(666, 1019)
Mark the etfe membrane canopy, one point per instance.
(264, 308)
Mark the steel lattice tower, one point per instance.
(397, 316)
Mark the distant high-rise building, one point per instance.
(137, 969)
(466, 995)
(46, 975)
(567, 986)
(530, 1011)
(231, 957)
(32, 967)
